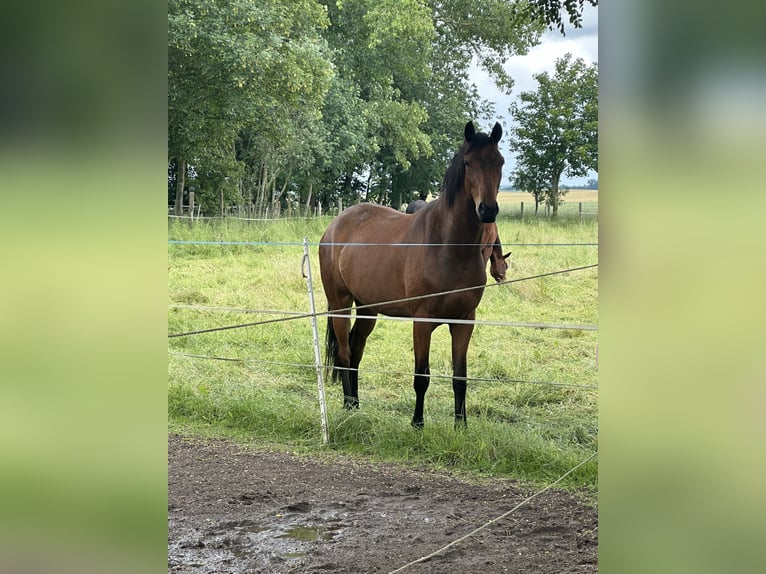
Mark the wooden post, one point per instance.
(340, 205)
(522, 210)
(579, 209)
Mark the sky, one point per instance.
(581, 43)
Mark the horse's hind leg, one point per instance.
(362, 329)
(339, 300)
(342, 363)
(461, 336)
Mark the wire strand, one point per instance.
(381, 372)
(355, 244)
(494, 520)
(380, 304)
(518, 324)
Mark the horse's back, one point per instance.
(360, 223)
(356, 254)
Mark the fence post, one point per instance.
(522, 210)
(317, 355)
(579, 210)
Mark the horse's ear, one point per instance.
(469, 131)
(497, 133)
(507, 255)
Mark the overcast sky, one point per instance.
(581, 43)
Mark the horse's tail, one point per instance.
(331, 350)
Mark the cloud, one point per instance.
(581, 43)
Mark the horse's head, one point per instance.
(499, 265)
(482, 170)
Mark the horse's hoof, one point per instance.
(417, 424)
(349, 406)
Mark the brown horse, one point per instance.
(413, 206)
(436, 249)
(492, 248)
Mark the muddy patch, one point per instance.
(273, 544)
(231, 510)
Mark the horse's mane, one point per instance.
(453, 178)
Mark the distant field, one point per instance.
(574, 195)
(577, 203)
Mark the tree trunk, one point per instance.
(366, 188)
(180, 178)
(555, 194)
(261, 200)
(275, 205)
(308, 200)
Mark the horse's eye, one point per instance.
(465, 163)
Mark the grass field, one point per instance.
(533, 430)
(572, 196)
(574, 203)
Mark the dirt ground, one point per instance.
(235, 510)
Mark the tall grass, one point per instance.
(531, 430)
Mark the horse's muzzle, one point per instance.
(486, 213)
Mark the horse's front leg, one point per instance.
(461, 336)
(421, 338)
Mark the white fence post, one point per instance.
(317, 355)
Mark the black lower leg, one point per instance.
(350, 398)
(458, 387)
(421, 386)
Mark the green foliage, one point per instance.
(527, 430)
(550, 11)
(329, 98)
(556, 129)
(239, 63)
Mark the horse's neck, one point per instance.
(461, 225)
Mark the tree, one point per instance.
(556, 127)
(550, 11)
(238, 63)
(321, 99)
(528, 177)
(402, 72)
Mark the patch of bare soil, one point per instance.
(232, 510)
